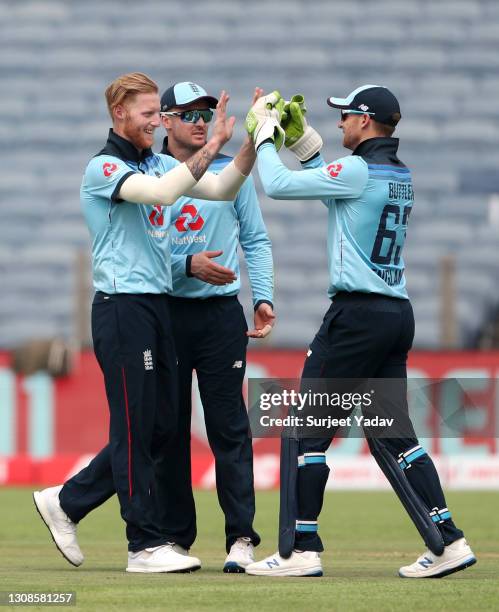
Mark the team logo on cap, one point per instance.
(195, 88)
(182, 224)
(108, 168)
(363, 107)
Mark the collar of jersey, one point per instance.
(124, 149)
(164, 148)
(379, 150)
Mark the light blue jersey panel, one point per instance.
(130, 242)
(369, 206)
(366, 235)
(201, 225)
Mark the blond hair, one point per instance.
(127, 86)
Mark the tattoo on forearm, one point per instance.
(198, 163)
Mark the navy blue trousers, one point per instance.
(364, 336)
(134, 347)
(210, 337)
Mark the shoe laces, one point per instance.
(67, 526)
(242, 544)
(176, 548)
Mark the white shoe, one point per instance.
(241, 555)
(179, 549)
(61, 527)
(306, 563)
(161, 559)
(456, 556)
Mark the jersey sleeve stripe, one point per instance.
(114, 195)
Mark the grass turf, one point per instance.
(367, 537)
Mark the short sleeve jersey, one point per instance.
(130, 241)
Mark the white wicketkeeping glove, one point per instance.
(263, 120)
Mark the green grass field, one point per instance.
(367, 536)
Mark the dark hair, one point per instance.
(385, 130)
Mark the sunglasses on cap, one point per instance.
(192, 116)
(345, 113)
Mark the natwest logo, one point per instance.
(157, 217)
(189, 219)
(334, 170)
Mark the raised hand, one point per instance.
(262, 120)
(223, 126)
(300, 138)
(293, 119)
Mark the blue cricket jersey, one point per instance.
(199, 225)
(130, 242)
(369, 196)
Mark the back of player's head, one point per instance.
(126, 87)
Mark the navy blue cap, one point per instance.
(373, 100)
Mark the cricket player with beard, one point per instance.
(125, 195)
(211, 335)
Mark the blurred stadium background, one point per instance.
(56, 58)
